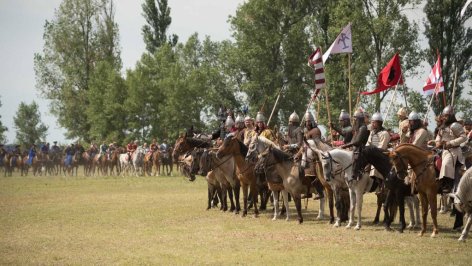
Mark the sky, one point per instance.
(21, 31)
(21, 36)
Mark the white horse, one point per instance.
(357, 188)
(138, 161)
(125, 164)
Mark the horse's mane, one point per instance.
(280, 155)
(267, 141)
(243, 148)
(200, 143)
(376, 157)
(418, 149)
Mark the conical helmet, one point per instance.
(413, 116)
(448, 110)
(309, 117)
(344, 115)
(229, 121)
(294, 118)
(239, 119)
(248, 118)
(359, 114)
(403, 111)
(377, 117)
(260, 117)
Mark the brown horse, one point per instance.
(87, 160)
(422, 163)
(244, 170)
(185, 144)
(114, 161)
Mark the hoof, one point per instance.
(287, 219)
(433, 235)
(357, 228)
(331, 221)
(461, 239)
(421, 234)
(274, 219)
(256, 215)
(388, 229)
(300, 221)
(348, 226)
(336, 224)
(319, 217)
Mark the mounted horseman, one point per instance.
(294, 136)
(131, 148)
(249, 131)
(359, 140)
(379, 138)
(403, 124)
(345, 130)
(450, 136)
(240, 128)
(417, 134)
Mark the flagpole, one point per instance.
(404, 91)
(453, 88)
(393, 98)
(431, 101)
(275, 105)
(349, 83)
(307, 108)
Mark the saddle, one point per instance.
(437, 163)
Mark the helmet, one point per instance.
(229, 121)
(239, 119)
(413, 116)
(448, 110)
(343, 115)
(309, 117)
(403, 111)
(359, 114)
(377, 117)
(294, 118)
(260, 117)
(248, 118)
(467, 122)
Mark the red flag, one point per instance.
(435, 80)
(315, 61)
(391, 75)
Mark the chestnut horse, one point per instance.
(422, 163)
(244, 170)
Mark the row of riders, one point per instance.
(103, 160)
(353, 160)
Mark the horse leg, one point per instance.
(352, 207)
(245, 195)
(276, 204)
(210, 196)
(434, 211)
(424, 212)
(298, 205)
(231, 199)
(401, 207)
(329, 193)
(223, 197)
(254, 197)
(359, 202)
(466, 229)
(388, 215)
(236, 190)
(285, 196)
(377, 213)
(409, 203)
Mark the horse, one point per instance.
(125, 163)
(9, 162)
(421, 162)
(87, 159)
(333, 189)
(114, 162)
(397, 189)
(224, 171)
(186, 143)
(275, 180)
(244, 170)
(165, 162)
(137, 159)
(357, 188)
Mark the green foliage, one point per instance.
(28, 125)
(3, 129)
(105, 111)
(158, 21)
(450, 36)
(82, 34)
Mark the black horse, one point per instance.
(397, 189)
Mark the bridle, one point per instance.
(404, 172)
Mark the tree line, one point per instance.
(178, 84)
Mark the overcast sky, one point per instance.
(21, 30)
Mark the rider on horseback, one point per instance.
(359, 140)
(295, 134)
(417, 135)
(403, 124)
(345, 132)
(31, 154)
(131, 148)
(262, 129)
(103, 149)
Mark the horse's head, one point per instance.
(180, 147)
(327, 165)
(229, 146)
(204, 163)
(399, 163)
(195, 163)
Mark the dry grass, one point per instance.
(162, 220)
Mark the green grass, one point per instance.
(162, 220)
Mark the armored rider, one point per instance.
(359, 140)
(294, 135)
(417, 135)
(403, 124)
(378, 137)
(345, 132)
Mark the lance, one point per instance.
(453, 88)
(275, 105)
(393, 98)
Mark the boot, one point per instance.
(319, 188)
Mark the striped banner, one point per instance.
(316, 62)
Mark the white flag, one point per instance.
(465, 7)
(342, 44)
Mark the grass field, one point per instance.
(162, 220)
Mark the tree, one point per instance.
(106, 111)
(82, 34)
(28, 125)
(158, 21)
(3, 129)
(449, 36)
